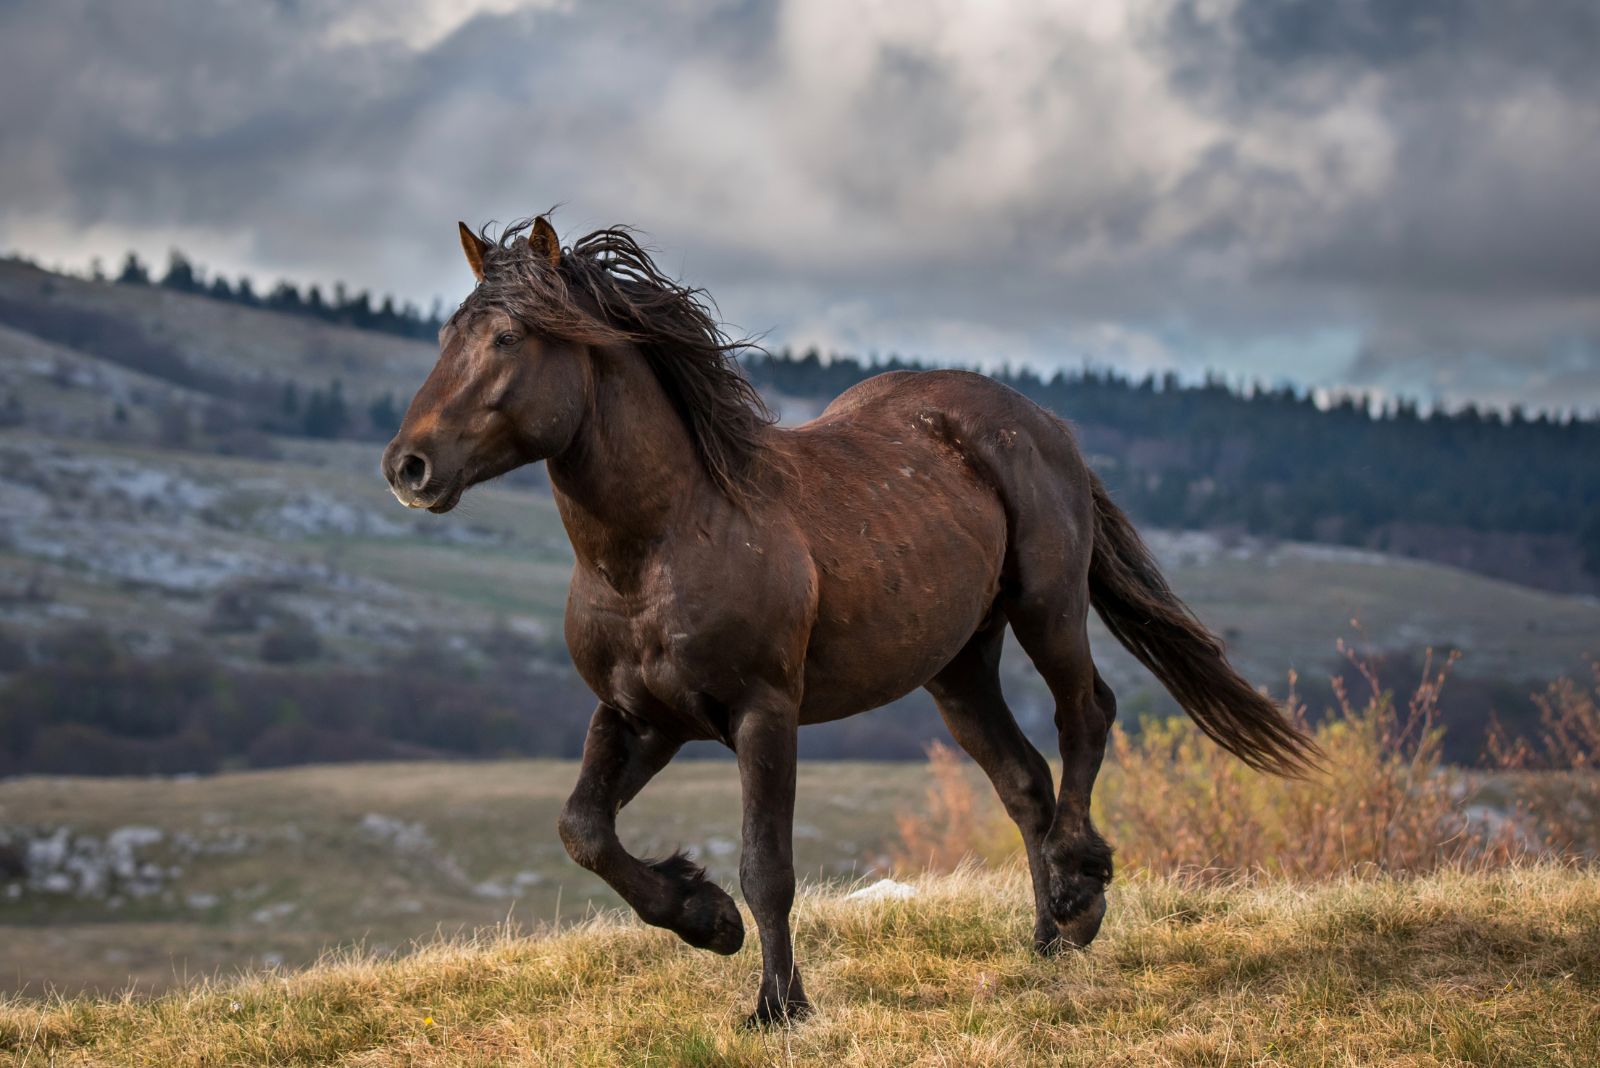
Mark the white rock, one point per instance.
(883, 890)
(273, 913)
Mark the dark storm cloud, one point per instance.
(1479, 255)
(1469, 209)
(1362, 192)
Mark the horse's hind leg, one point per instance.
(1051, 627)
(968, 694)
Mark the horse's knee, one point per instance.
(584, 833)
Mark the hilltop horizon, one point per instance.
(405, 318)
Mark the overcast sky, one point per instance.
(1399, 196)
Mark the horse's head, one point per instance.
(526, 357)
(505, 391)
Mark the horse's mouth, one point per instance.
(440, 504)
(448, 500)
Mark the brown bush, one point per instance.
(1569, 739)
(1385, 802)
(959, 821)
(1561, 795)
(1171, 801)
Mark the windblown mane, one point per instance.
(607, 290)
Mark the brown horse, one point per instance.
(735, 579)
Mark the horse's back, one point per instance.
(1023, 453)
(894, 391)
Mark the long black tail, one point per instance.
(1142, 612)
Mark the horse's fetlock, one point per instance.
(1096, 858)
(678, 867)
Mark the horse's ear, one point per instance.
(475, 247)
(544, 241)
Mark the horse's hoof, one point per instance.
(1078, 884)
(1046, 936)
(771, 1014)
(710, 920)
(1079, 930)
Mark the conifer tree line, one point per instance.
(358, 309)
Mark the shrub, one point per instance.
(1564, 800)
(1171, 801)
(959, 820)
(1569, 739)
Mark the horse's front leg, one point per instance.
(618, 759)
(764, 738)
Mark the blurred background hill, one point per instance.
(200, 568)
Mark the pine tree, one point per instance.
(384, 414)
(134, 272)
(180, 274)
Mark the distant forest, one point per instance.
(79, 701)
(1267, 460)
(1271, 461)
(346, 307)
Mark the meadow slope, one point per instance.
(1496, 969)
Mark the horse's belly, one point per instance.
(844, 684)
(890, 620)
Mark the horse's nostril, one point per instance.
(414, 472)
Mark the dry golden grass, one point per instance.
(1500, 968)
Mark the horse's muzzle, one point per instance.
(413, 480)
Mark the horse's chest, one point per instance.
(636, 653)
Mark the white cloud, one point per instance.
(1016, 180)
(416, 24)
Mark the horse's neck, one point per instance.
(631, 467)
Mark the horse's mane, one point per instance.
(607, 290)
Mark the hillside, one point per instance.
(1449, 970)
(191, 521)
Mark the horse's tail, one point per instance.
(1142, 612)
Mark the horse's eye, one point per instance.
(506, 340)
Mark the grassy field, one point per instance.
(277, 866)
(1500, 969)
